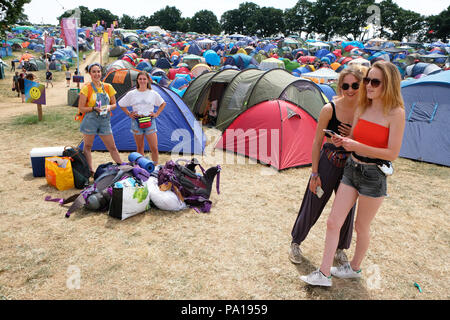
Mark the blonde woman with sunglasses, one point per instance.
(376, 137)
(328, 163)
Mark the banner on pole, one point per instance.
(105, 37)
(98, 44)
(34, 92)
(88, 33)
(49, 41)
(109, 32)
(69, 31)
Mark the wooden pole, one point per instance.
(39, 109)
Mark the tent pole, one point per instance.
(78, 54)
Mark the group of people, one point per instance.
(18, 83)
(363, 127)
(96, 101)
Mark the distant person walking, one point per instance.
(15, 84)
(13, 65)
(68, 76)
(49, 78)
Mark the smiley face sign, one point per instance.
(34, 92)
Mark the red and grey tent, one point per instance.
(275, 132)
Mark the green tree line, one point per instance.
(323, 19)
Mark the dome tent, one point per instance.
(178, 131)
(279, 134)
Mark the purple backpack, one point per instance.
(194, 188)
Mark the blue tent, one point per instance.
(144, 66)
(178, 130)
(327, 91)
(427, 109)
(194, 48)
(211, 58)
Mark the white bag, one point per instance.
(129, 199)
(164, 200)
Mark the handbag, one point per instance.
(58, 172)
(144, 122)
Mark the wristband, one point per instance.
(315, 174)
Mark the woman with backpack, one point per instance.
(143, 101)
(96, 101)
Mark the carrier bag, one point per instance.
(129, 198)
(58, 172)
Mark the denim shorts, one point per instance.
(146, 131)
(93, 123)
(367, 179)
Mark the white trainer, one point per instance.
(317, 278)
(345, 271)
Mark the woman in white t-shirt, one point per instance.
(143, 101)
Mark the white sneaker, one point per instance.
(340, 257)
(345, 271)
(317, 278)
(295, 253)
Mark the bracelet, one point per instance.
(315, 174)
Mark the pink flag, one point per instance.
(49, 41)
(98, 43)
(112, 27)
(69, 31)
(109, 33)
(88, 33)
(94, 26)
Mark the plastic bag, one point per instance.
(58, 172)
(164, 200)
(129, 198)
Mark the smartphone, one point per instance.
(319, 192)
(330, 132)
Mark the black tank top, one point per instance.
(334, 122)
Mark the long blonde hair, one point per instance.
(391, 94)
(358, 71)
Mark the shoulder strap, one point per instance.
(333, 116)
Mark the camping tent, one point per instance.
(278, 132)
(427, 109)
(178, 131)
(122, 80)
(252, 86)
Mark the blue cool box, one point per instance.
(38, 156)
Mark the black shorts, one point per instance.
(367, 179)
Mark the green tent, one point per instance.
(253, 86)
(198, 92)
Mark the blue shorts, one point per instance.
(95, 124)
(367, 179)
(146, 131)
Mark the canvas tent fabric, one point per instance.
(122, 80)
(198, 91)
(427, 110)
(253, 86)
(276, 132)
(178, 131)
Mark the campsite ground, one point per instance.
(238, 251)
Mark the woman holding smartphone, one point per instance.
(376, 137)
(328, 163)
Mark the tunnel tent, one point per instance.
(253, 86)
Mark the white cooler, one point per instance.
(38, 155)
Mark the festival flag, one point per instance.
(94, 27)
(105, 37)
(103, 22)
(88, 33)
(98, 23)
(109, 32)
(49, 41)
(116, 23)
(69, 31)
(98, 43)
(112, 27)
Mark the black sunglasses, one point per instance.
(346, 86)
(373, 82)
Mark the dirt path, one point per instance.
(55, 96)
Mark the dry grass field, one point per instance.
(237, 251)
